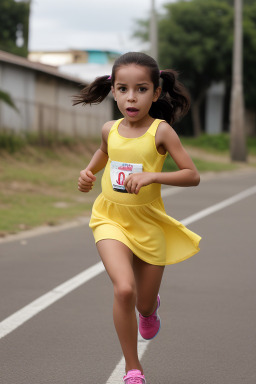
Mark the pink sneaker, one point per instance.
(134, 377)
(149, 326)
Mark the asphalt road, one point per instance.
(208, 309)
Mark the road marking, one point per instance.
(20, 317)
(118, 373)
(217, 207)
(24, 314)
(170, 191)
(119, 370)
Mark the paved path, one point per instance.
(208, 307)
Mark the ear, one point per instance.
(113, 92)
(157, 93)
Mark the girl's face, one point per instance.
(134, 92)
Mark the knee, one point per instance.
(125, 293)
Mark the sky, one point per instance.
(87, 24)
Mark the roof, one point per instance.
(103, 50)
(87, 72)
(7, 57)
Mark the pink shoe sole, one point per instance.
(134, 376)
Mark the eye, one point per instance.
(142, 89)
(122, 89)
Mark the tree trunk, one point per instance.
(195, 112)
(238, 150)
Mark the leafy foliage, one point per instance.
(249, 26)
(6, 98)
(14, 17)
(195, 38)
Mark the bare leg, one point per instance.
(118, 261)
(148, 280)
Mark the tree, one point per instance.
(237, 140)
(249, 62)
(14, 26)
(194, 38)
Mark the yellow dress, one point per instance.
(139, 221)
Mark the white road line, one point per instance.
(217, 207)
(20, 317)
(24, 314)
(118, 372)
(170, 191)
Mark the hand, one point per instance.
(86, 180)
(134, 182)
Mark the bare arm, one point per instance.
(187, 175)
(97, 163)
(167, 140)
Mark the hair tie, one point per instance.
(109, 78)
(160, 73)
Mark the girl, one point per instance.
(134, 236)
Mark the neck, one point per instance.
(142, 123)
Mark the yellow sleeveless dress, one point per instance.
(140, 221)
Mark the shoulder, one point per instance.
(165, 130)
(106, 128)
(165, 134)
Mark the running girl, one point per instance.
(135, 237)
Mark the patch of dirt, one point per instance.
(218, 158)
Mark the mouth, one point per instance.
(132, 111)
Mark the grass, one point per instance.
(38, 184)
(217, 143)
(26, 210)
(39, 187)
(202, 165)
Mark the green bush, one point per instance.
(209, 142)
(11, 142)
(251, 142)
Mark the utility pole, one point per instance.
(238, 151)
(153, 32)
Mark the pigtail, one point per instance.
(174, 101)
(95, 92)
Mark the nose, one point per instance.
(131, 96)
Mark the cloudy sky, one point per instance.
(84, 24)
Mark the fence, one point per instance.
(44, 118)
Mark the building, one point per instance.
(43, 97)
(74, 56)
(84, 64)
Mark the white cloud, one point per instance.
(62, 24)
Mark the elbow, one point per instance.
(196, 179)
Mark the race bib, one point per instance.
(120, 171)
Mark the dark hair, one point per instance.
(173, 103)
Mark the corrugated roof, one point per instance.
(23, 62)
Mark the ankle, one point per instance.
(149, 313)
(132, 367)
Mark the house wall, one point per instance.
(19, 83)
(45, 104)
(215, 108)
